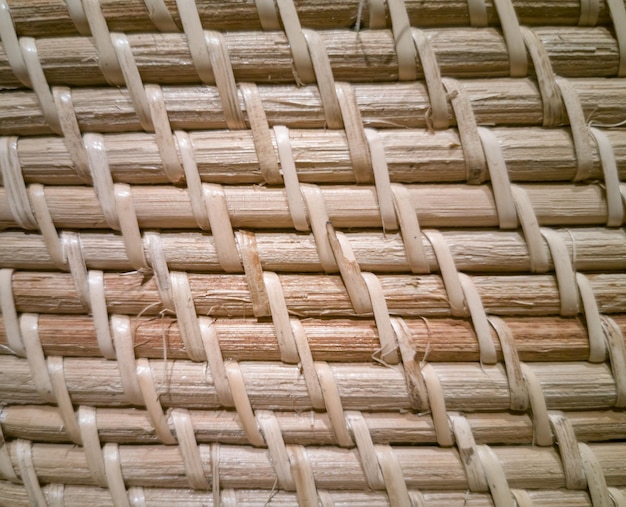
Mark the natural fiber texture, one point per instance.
(291, 252)
(383, 105)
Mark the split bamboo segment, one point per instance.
(77, 496)
(134, 426)
(322, 157)
(349, 340)
(263, 57)
(597, 249)
(51, 17)
(427, 468)
(400, 105)
(350, 207)
(279, 386)
(317, 253)
(312, 296)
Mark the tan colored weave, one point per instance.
(289, 252)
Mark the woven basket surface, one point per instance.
(313, 252)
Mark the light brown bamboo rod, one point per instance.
(364, 56)
(423, 467)
(79, 496)
(401, 104)
(322, 156)
(51, 17)
(487, 251)
(133, 426)
(344, 340)
(220, 295)
(277, 386)
(449, 205)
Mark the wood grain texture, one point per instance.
(50, 17)
(133, 426)
(498, 101)
(470, 387)
(264, 57)
(246, 467)
(323, 157)
(313, 295)
(596, 249)
(340, 340)
(77, 496)
(255, 206)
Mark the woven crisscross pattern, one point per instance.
(289, 252)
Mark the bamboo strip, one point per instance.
(438, 340)
(450, 205)
(51, 18)
(322, 156)
(346, 340)
(400, 104)
(354, 56)
(220, 295)
(333, 468)
(79, 496)
(133, 426)
(591, 249)
(277, 386)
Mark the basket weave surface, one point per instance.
(289, 252)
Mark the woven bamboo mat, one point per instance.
(309, 252)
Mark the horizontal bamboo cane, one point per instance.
(322, 156)
(485, 251)
(313, 295)
(277, 386)
(342, 340)
(401, 105)
(51, 17)
(79, 496)
(428, 468)
(354, 56)
(450, 205)
(133, 426)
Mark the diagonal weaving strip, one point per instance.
(312, 253)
